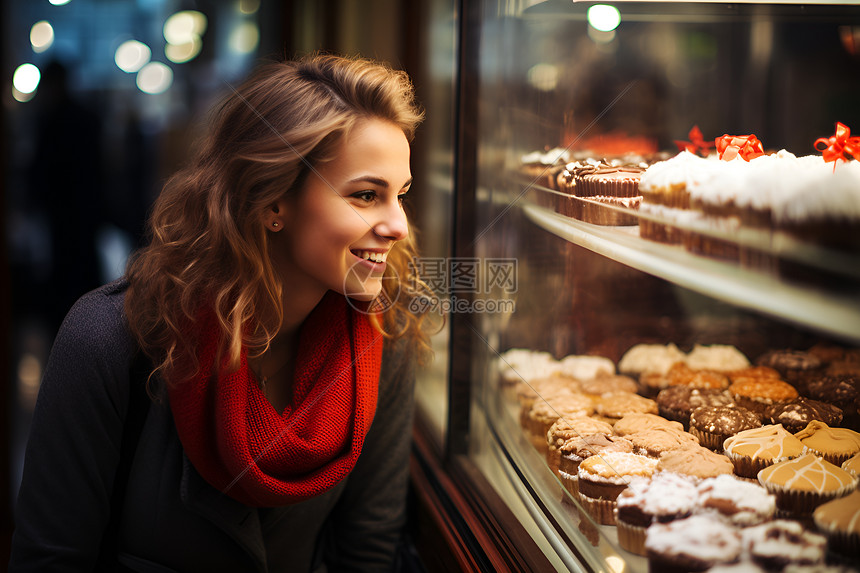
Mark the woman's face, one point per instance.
(337, 231)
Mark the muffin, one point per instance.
(682, 375)
(658, 440)
(544, 413)
(795, 366)
(839, 521)
(616, 405)
(692, 544)
(802, 484)
(796, 414)
(649, 363)
(836, 445)
(755, 449)
(602, 479)
(696, 462)
(842, 390)
(740, 502)
(565, 429)
(575, 450)
(632, 423)
(712, 425)
(717, 358)
(779, 543)
(586, 366)
(607, 384)
(757, 394)
(663, 498)
(754, 372)
(677, 402)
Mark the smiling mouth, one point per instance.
(371, 256)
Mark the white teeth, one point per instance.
(371, 256)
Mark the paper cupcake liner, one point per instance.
(570, 483)
(800, 503)
(601, 510)
(631, 537)
(835, 459)
(708, 440)
(746, 466)
(843, 542)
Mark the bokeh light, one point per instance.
(41, 36)
(244, 38)
(154, 78)
(183, 27)
(132, 55)
(181, 53)
(603, 17)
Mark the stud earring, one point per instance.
(275, 224)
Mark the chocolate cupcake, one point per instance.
(677, 402)
(602, 479)
(780, 543)
(663, 498)
(796, 414)
(842, 391)
(713, 424)
(740, 502)
(692, 544)
(795, 366)
(803, 483)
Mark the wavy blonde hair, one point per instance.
(207, 243)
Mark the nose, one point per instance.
(392, 225)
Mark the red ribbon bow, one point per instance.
(697, 143)
(839, 145)
(747, 146)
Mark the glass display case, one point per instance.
(550, 87)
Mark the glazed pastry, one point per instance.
(755, 449)
(802, 484)
(839, 520)
(852, 466)
(836, 445)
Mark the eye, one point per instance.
(366, 196)
(402, 197)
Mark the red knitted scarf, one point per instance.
(244, 448)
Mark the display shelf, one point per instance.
(812, 306)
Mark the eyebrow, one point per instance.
(378, 181)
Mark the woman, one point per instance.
(267, 321)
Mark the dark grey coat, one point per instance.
(173, 520)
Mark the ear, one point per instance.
(275, 216)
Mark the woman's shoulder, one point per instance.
(97, 318)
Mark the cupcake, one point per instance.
(565, 429)
(692, 544)
(602, 479)
(658, 440)
(544, 413)
(779, 543)
(575, 450)
(616, 405)
(712, 425)
(611, 186)
(663, 498)
(795, 366)
(839, 521)
(677, 402)
(757, 394)
(740, 502)
(842, 390)
(796, 414)
(755, 372)
(682, 375)
(632, 423)
(802, 484)
(696, 462)
(755, 449)
(649, 363)
(836, 445)
(852, 466)
(585, 367)
(608, 384)
(717, 358)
